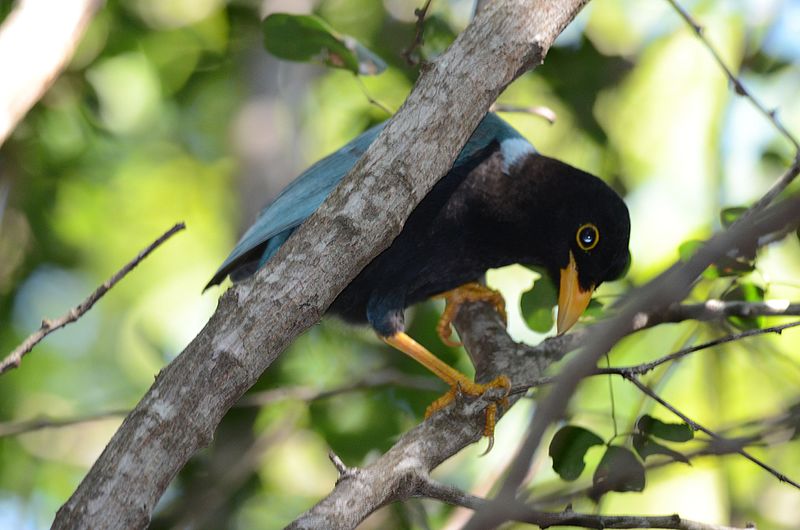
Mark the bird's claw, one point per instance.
(470, 292)
(472, 389)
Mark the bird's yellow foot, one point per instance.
(459, 383)
(465, 386)
(469, 292)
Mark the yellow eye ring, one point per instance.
(587, 236)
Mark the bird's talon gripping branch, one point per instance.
(467, 387)
(459, 383)
(469, 292)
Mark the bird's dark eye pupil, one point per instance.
(587, 236)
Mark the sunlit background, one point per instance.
(173, 111)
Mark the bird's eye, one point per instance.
(587, 236)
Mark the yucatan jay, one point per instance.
(501, 203)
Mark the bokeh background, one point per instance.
(173, 111)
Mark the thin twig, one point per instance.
(376, 379)
(521, 512)
(641, 369)
(543, 112)
(370, 99)
(14, 428)
(718, 438)
(258, 399)
(14, 359)
(407, 54)
(737, 84)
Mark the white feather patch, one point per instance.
(514, 150)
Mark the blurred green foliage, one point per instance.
(173, 111)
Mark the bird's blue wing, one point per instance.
(296, 203)
(307, 192)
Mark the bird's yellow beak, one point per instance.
(572, 300)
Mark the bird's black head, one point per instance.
(588, 228)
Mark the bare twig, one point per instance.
(543, 112)
(408, 53)
(717, 309)
(734, 309)
(14, 428)
(48, 326)
(641, 369)
(522, 513)
(370, 99)
(718, 438)
(372, 380)
(737, 84)
(777, 187)
(258, 399)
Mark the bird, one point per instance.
(501, 202)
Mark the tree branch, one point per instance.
(256, 320)
(14, 358)
(419, 28)
(641, 369)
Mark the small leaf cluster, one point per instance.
(305, 38)
(620, 469)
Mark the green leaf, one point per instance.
(568, 449)
(537, 305)
(726, 266)
(687, 249)
(646, 446)
(729, 215)
(674, 432)
(618, 470)
(307, 37)
(745, 292)
(594, 309)
(438, 35)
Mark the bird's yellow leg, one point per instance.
(469, 292)
(458, 382)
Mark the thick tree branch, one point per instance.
(255, 321)
(36, 41)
